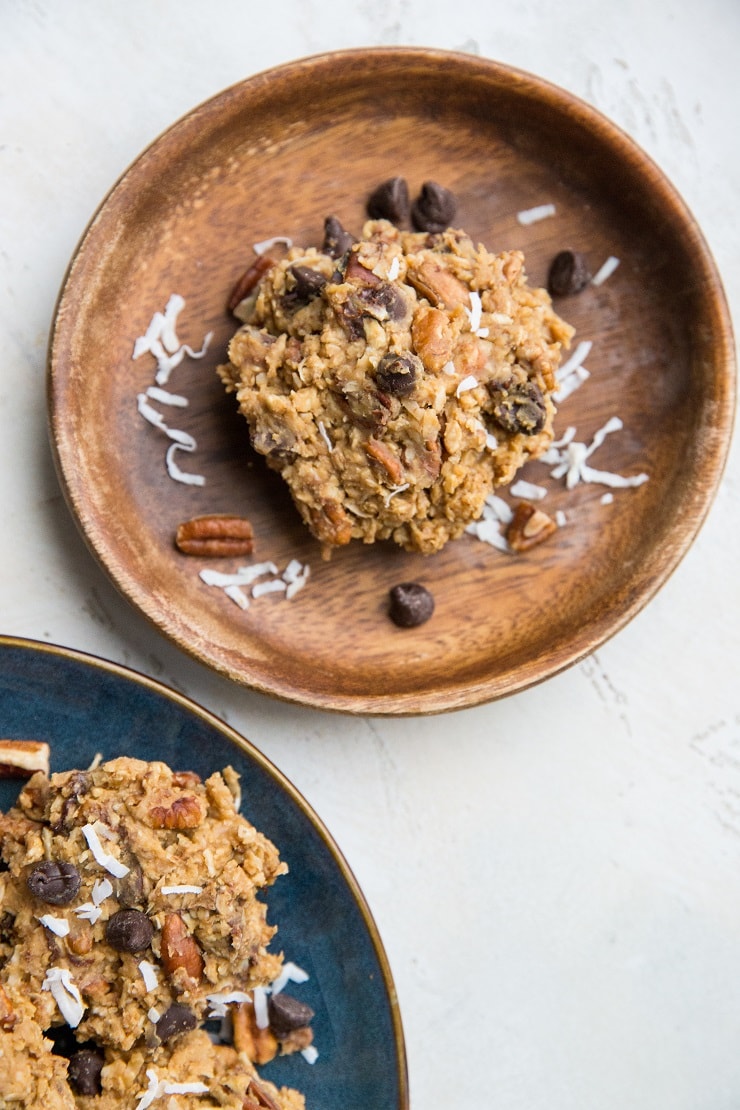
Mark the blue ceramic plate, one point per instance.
(81, 706)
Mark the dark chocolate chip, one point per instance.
(520, 409)
(129, 931)
(411, 604)
(337, 241)
(382, 301)
(569, 273)
(308, 283)
(286, 1013)
(390, 201)
(396, 374)
(177, 1019)
(84, 1071)
(54, 882)
(434, 209)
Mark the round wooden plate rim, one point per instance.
(460, 691)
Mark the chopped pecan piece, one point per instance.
(257, 1098)
(432, 337)
(438, 285)
(528, 527)
(180, 949)
(259, 1045)
(217, 536)
(378, 451)
(249, 280)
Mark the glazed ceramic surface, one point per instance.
(82, 707)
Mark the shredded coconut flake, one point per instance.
(105, 859)
(149, 975)
(272, 586)
(184, 1089)
(59, 981)
(102, 889)
(449, 368)
(268, 244)
(533, 215)
(293, 570)
(261, 1018)
(489, 531)
(325, 436)
(605, 271)
(289, 973)
(528, 490)
(394, 269)
(606, 498)
(579, 356)
(392, 493)
(219, 1002)
(560, 518)
(89, 912)
(495, 508)
(57, 925)
(572, 465)
(310, 1054)
(475, 310)
(154, 1015)
(570, 384)
(174, 470)
(153, 1091)
(165, 398)
(184, 888)
(237, 595)
(470, 382)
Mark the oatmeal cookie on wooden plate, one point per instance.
(396, 383)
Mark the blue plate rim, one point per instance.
(253, 753)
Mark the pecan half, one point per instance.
(218, 536)
(259, 1045)
(19, 759)
(528, 527)
(180, 949)
(437, 284)
(186, 812)
(249, 280)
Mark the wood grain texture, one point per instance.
(275, 155)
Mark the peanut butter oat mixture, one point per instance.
(129, 908)
(396, 380)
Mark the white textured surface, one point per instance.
(557, 876)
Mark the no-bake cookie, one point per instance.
(394, 381)
(130, 912)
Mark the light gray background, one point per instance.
(557, 876)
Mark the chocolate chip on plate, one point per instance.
(286, 1013)
(54, 882)
(390, 201)
(568, 274)
(84, 1071)
(129, 931)
(434, 209)
(411, 604)
(175, 1020)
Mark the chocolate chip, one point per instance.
(390, 201)
(84, 1071)
(434, 209)
(382, 301)
(396, 374)
(411, 604)
(569, 273)
(54, 882)
(337, 241)
(520, 409)
(286, 1013)
(129, 931)
(177, 1019)
(307, 283)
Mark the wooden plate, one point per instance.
(275, 155)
